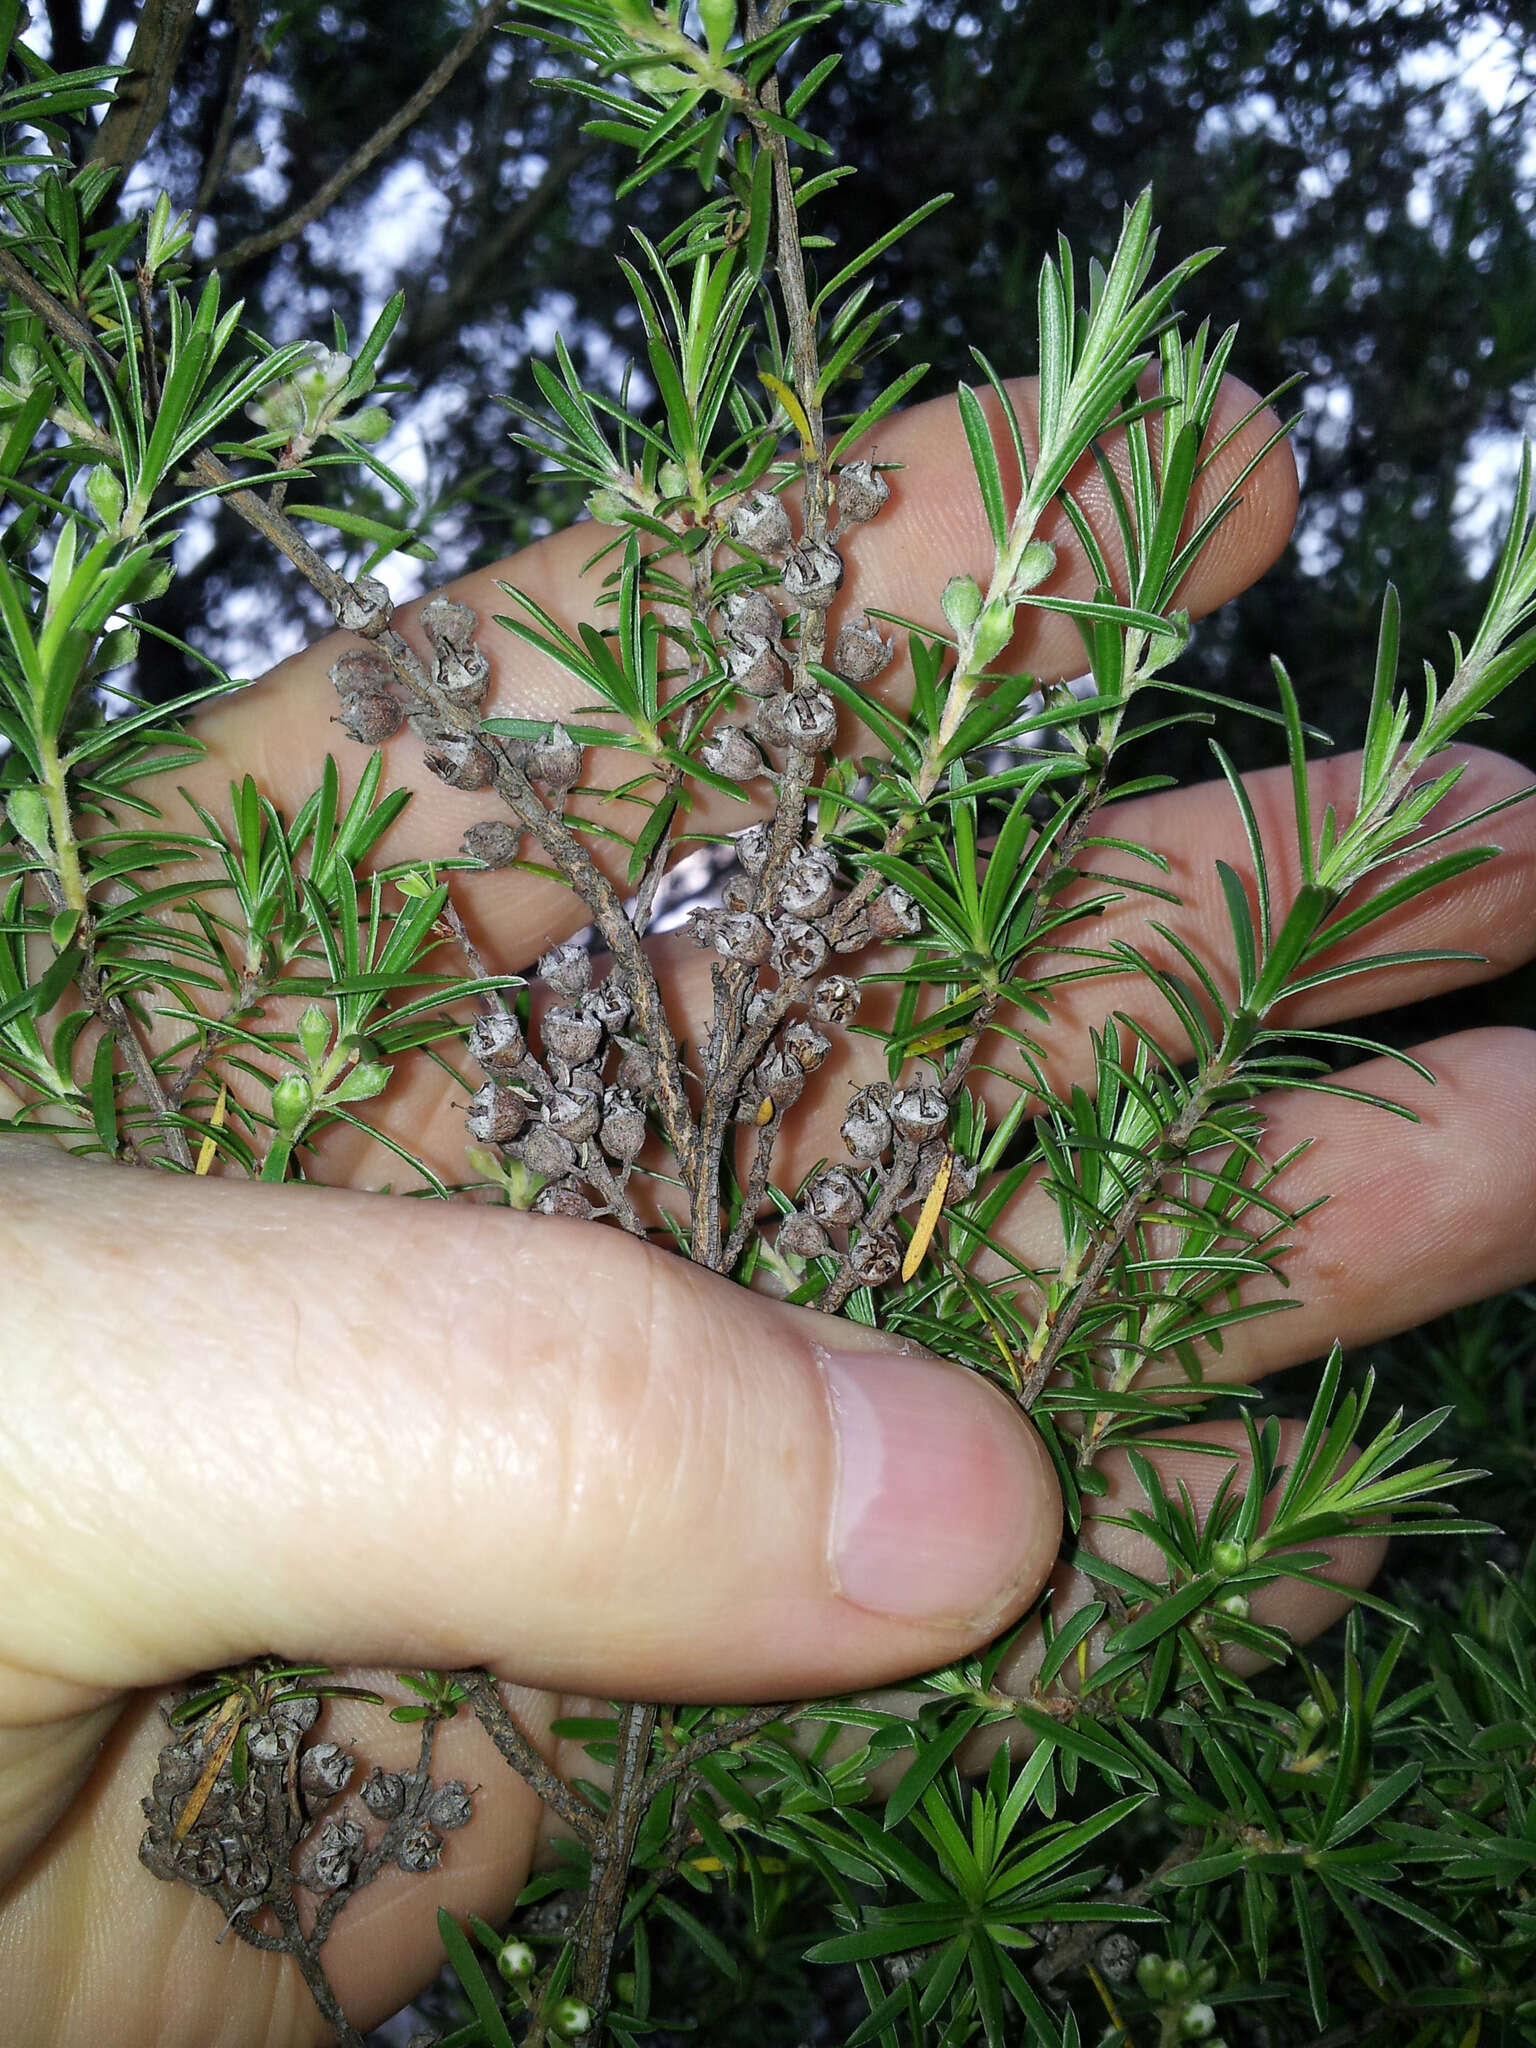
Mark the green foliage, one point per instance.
(1343, 1844)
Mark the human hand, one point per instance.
(239, 1419)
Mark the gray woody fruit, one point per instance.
(867, 1123)
(753, 665)
(459, 760)
(361, 668)
(812, 573)
(496, 1043)
(918, 1113)
(493, 842)
(556, 762)
(859, 653)
(751, 611)
(420, 1848)
(809, 884)
(370, 717)
(752, 847)
(876, 1258)
(809, 719)
(731, 753)
(762, 524)
(835, 1000)
(334, 1855)
(567, 969)
(835, 1198)
(861, 491)
(548, 1154)
(799, 949)
(893, 914)
(623, 1128)
(325, 1770)
(802, 1237)
(496, 1115)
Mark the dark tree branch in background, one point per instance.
(246, 14)
(320, 201)
(145, 92)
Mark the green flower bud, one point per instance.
(672, 480)
(1311, 1715)
(367, 1079)
(570, 2016)
(1035, 564)
(608, 506)
(27, 810)
(1234, 1605)
(1152, 1975)
(1228, 1557)
(292, 1100)
(516, 1960)
(369, 424)
(104, 495)
(314, 1033)
(1198, 2023)
(1205, 1978)
(1175, 1977)
(994, 629)
(962, 601)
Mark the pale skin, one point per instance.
(236, 1419)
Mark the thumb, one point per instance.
(236, 1419)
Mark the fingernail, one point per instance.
(944, 1494)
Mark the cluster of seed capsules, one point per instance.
(232, 1833)
(576, 1115)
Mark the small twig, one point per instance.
(612, 1855)
(713, 1740)
(1074, 1950)
(246, 15)
(144, 93)
(325, 196)
(520, 1753)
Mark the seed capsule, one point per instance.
(799, 949)
(867, 1124)
(609, 1004)
(809, 885)
(383, 1793)
(777, 1078)
(622, 1134)
(420, 1848)
(325, 1770)
(762, 524)
(556, 762)
(752, 611)
(574, 1113)
(752, 847)
(361, 669)
(861, 492)
(447, 623)
(753, 665)
(805, 1045)
(493, 842)
(738, 892)
(463, 674)
(564, 1198)
(496, 1043)
(333, 1858)
(812, 573)
(450, 1806)
(876, 1258)
(496, 1115)
(460, 761)
(835, 1198)
(567, 969)
(859, 653)
(364, 607)
(918, 1114)
(802, 1237)
(836, 1000)
(809, 719)
(547, 1153)
(893, 914)
(731, 753)
(370, 717)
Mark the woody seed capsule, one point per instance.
(799, 949)
(325, 1770)
(446, 622)
(556, 762)
(861, 491)
(564, 1198)
(752, 848)
(493, 842)
(777, 1078)
(751, 611)
(609, 1004)
(574, 1113)
(361, 668)
(623, 1128)
(836, 1000)
(450, 1805)
(463, 674)
(867, 1125)
(812, 573)
(740, 935)
(918, 1114)
(762, 524)
(547, 1153)
(460, 761)
(365, 607)
(805, 1045)
(835, 1198)
(567, 969)
(753, 666)
(420, 1848)
(809, 885)
(738, 892)
(731, 753)
(810, 719)
(802, 1237)
(383, 1793)
(859, 653)
(370, 717)
(876, 1258)
(496, 1043)
(334, 1856)
(496, 1115)
(893, 914)
(571, 1035)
